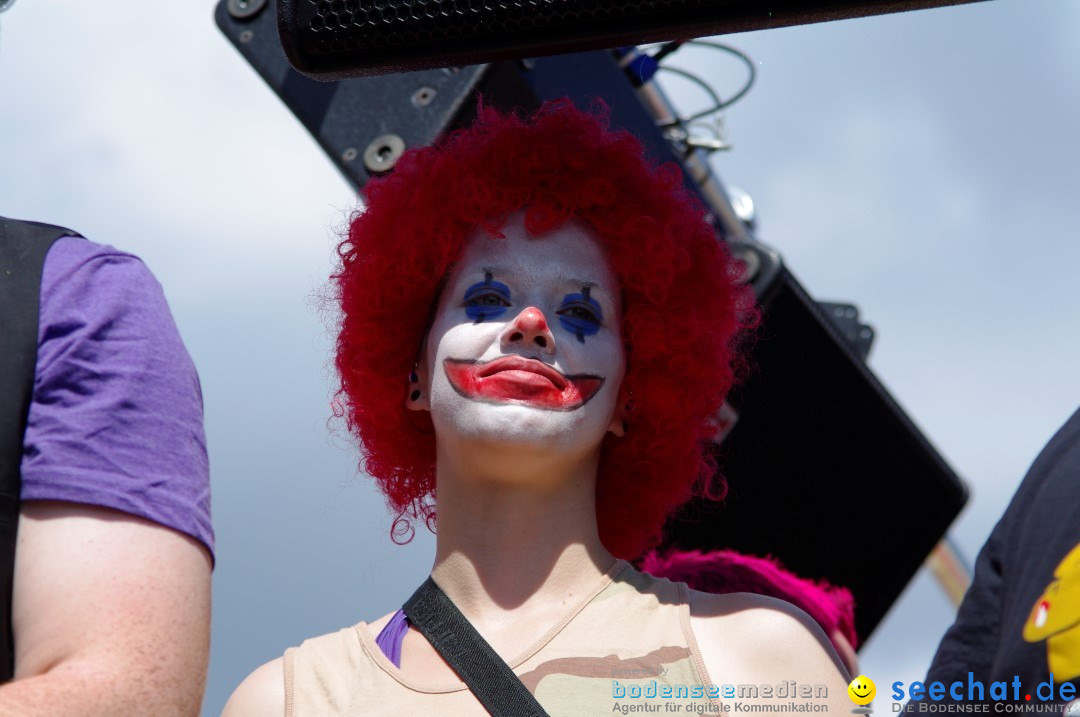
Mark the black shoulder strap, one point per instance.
(492, 681)
(23, 246)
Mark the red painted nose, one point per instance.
(531, 319)
(531, 328)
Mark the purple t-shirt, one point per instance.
(116, 418)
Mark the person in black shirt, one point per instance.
(1021, 616)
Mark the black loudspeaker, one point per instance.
(364, 124)
(820, 451)
(335, 39)
(824, 470)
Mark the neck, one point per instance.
(517, 532)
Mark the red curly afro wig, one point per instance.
(684, 304)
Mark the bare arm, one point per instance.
(111, 615)
(262, 694)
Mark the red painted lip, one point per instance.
(517, 363)
(515, 378)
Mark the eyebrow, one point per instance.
(585, 284)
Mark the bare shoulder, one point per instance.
(765, 649)
(752, 633)
(261, 694)
(375, 627)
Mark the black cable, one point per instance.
(718, 104)
(751, 69)
(666, 49)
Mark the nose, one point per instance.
(530, 329)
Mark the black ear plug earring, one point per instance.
(413, 378)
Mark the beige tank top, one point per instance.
(631, 635)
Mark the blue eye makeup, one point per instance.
(486, 299)
(580, 314)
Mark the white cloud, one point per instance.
(149, 131)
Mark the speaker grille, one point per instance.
(335, 39)
(333, 26)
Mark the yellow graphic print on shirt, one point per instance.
(1056, 619)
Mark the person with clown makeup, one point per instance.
(536, 326)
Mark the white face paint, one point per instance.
(525, 346)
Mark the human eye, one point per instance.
(489, 298)
(580, 314)
(486, 299)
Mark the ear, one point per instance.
(417, 396)
(619, 419)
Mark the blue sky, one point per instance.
(921, 165)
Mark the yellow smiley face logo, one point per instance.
(862, 690)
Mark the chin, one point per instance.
(521, 427)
